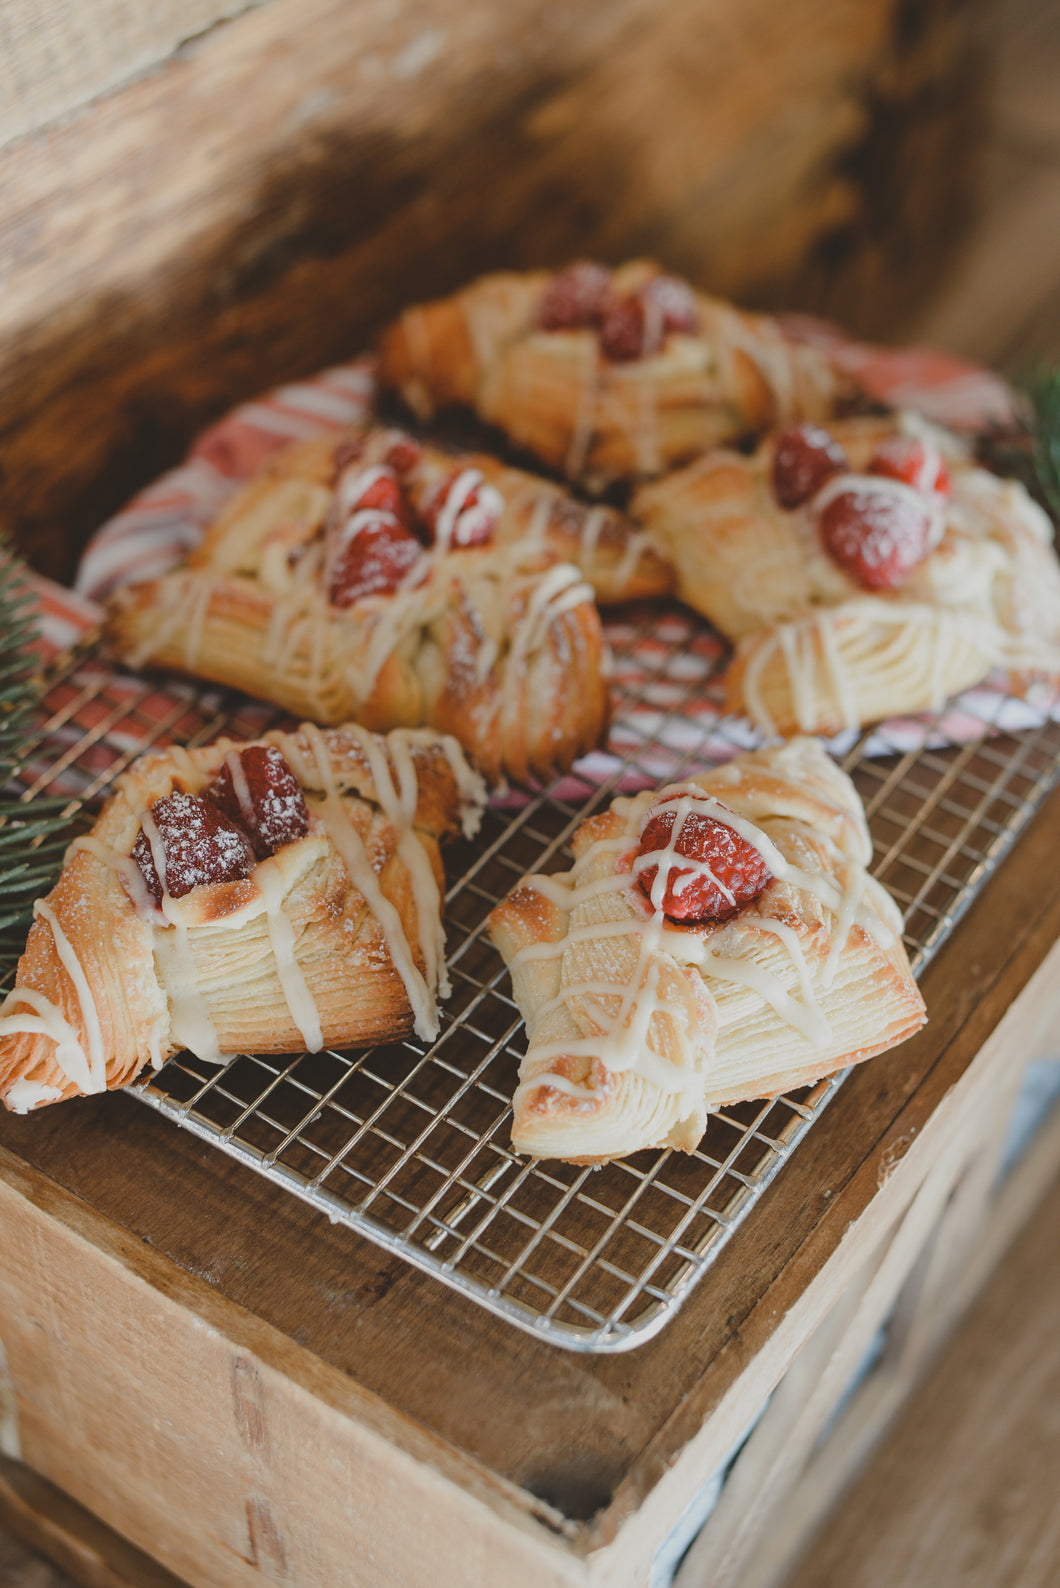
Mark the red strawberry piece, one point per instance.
(200, 844)
(465, 511)
(266, 799)
(876, 535)
(728, 871)
(371, 489)
(575, 297)
(674, 300)
(402, 453)
(913, 461)
(629, 331)
(804, 457)
(374, 561)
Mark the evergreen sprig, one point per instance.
(1043, 392)
(33, 835)
(1030, 449)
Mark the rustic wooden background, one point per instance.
(198, 197)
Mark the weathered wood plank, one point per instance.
(55, 57)
(963, 1491)
(49, 1521)
(256, 207)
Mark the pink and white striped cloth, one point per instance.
(666, 659)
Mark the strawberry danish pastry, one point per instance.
(263, 897)
(368, 578)
(715, 940)
(864, 570)
(604, 374)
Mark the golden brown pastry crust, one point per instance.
(637, 1027)
(106, 986)
(815, 651)
(499, 645)
(592, 419)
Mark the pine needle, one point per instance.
(33, 835)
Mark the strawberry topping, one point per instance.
(464, 512)
(804, 457)
(629, 331)
(876, 535)
(909, 459)
(727, 872)
(267, 801)
(200, 845)
(575, 297)
(374, 561)
(402, 452)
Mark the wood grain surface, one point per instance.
(258, 205)
(963, 1493)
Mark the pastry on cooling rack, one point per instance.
(715, 940)
(604, 374)
(864, 571)
(268, 897)
(365, 579)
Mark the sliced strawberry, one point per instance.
(629, 331)
(374, 561)
(913, 461)
(200, 844)
(804, 458)
(267, 802)
(575, 297)
(876, 535)
(362, 489)
(674, 300)
(464, 511)
(727, 873)
(402, 453)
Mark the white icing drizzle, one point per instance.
(457, 522)
(350, 846)
(625, 1044)
(190, 1020)
(268, 877)
(234, 762)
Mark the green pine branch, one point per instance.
(1031, 450)
(33, 835)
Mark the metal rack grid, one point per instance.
(408, 1145)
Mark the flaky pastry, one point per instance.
(604, 375)
(369, 579)
(868, 570)
(255, 897)
(641, 1018)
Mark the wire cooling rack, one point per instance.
(409, 1145)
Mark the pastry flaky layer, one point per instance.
(638, 1026)
(499, 644)
(591, 417)
(815, 650)
(335, 939)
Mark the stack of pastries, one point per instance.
(432, 615)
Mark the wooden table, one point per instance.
(249, 1393)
